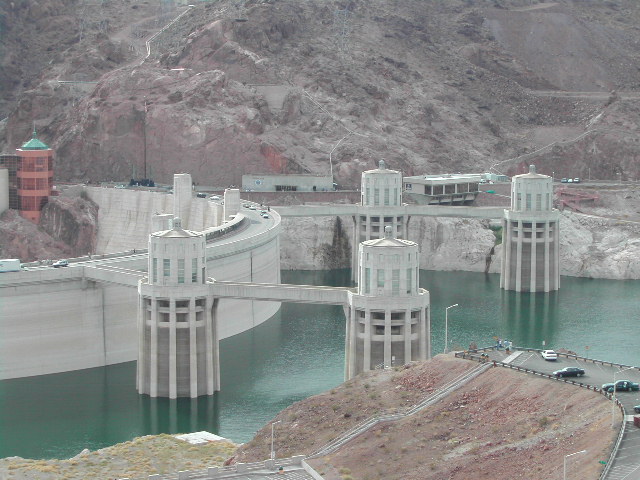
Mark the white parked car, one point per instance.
(549, 355)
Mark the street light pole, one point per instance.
(613, 397)
(446, 325)
(273, 452)
(564, 470)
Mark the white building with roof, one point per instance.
(178, 343)
(388, 319)
(444, 189)
(531, 236)
(381, 195)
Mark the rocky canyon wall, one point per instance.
(590, 246)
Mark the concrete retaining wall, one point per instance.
(55, 320)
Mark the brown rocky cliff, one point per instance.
(20, 238)
(67, 229)
(429, 86)
(73, 221)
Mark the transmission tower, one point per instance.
(342, 28)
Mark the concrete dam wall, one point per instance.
(60, 319)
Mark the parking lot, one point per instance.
(626, 465)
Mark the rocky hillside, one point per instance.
(496, 423)
(68, 228)
(265, 86)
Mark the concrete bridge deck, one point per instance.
(417, 210)
(282, 292)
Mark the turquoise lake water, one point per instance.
(300, 352)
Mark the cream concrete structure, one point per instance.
(4, 189)
(182, 197)
(388, 319)
(231, 203)
(381, 195)
(178, 352)
(531, 236)
(448, 189)
(287, 183)
(61, 319)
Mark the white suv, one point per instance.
(549, 355)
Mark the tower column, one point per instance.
(519, 257)
(387, 338)
(366, 364)
(534, 251)
(547, 251)
(407, 336)
(153, 390)
(173, 393)
(193, 349)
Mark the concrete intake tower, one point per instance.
(177, 334)
(531, 236)
(388, 319)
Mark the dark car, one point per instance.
(201, 195)
(621, 386)
(636, 409)
(569, 372)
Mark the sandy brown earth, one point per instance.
(138, 458)
(503, 423)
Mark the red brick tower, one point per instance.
(35, 177)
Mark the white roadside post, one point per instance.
(446, 326)
(273, 452)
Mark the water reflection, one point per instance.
(163, 415)
(531, 318)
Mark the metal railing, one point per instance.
(370, 422)
(474, 355)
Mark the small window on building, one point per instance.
(376, 196)
(547, 202)
(538, 201)
(519, 201)
(395, 282)
(409, 280)
(375, 219)
(181, 270)
(367, 280)
(155, 268)
(396, 329)
(166, 267)
(386, 196)
(528, 200)
(379, 330)
(388, 219)
(380, 278)
(194, 270)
